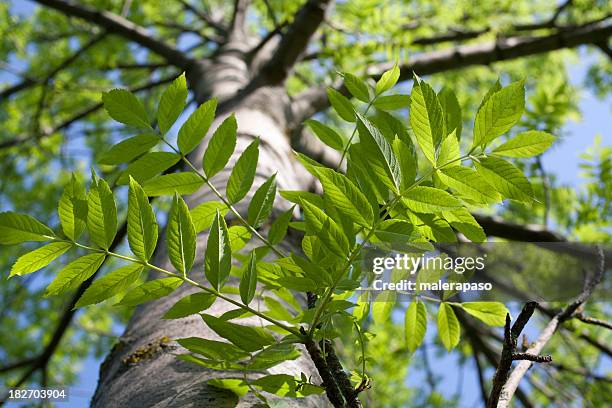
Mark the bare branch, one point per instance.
(78, 116)
(485, 53)
(531, 357)
(593, 321)
(237, 24)
(293, 43)
(508, 353)
(592, 279)
(219, 28)
(116, 24)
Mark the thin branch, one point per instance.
(80, 115)
(588, 374)
(508, 351)
(238, 21)
(531, 357)
(485, 53)
(593, 321)
(219, 28)
(116, 24)
(592, 279)
(293, 43)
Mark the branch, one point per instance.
(531, 357)
(70, 121)
(485, 53)
(237, 24)
(592, 279)
(293, 43)
(508, 351)
(593, 321)
(331, 388)
(222, 31)
(340, 376)
(116, 24)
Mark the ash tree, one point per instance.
(212, 174)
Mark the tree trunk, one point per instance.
(142, 370)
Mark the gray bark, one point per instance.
(161, 380)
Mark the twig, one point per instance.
(592, 279)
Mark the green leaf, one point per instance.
(526, 144)
(285, 385)
(196, 126)
(215, 350)
(452, 111)
(273, 355)
(128, 149)
(239, 236)
(464, 222)
(469, 183)
(429, 200)
(426, 118)
(220, 147)
(327, 135)
(150, 290)
(75, 273)
(141, 223)
(39, 258)
(204, 214)
(343, 107)
(17, 228)
(495, 88)
(506, 178)
(382, 306)
(237, 386)
(101, 214)
(295, 196)
(491, 313)
(448, 326)
(278, 230)
(356, 87)
(345, 196)
(218, 258)
(181, 236)
(499, 113)
(449, 153)
(248, 283)
(168, 184)
(191, 304)
(387, 80)
(172, 103)
(243, 173)
(148, 166)
(380, 154)
(406, 157)
(248, 338)
(260, 206)
(124, 107)
(394, 231)
(321, 225)
(72, 209)
(392, 102)
(110, 285)
(415, 324)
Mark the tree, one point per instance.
(261, 90)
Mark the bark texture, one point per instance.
(159, 379)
